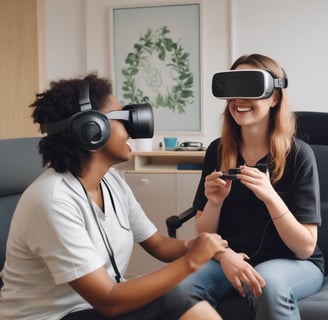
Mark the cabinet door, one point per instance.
(156, 194)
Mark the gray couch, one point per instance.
(313, 128)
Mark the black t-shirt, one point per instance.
(245, 221)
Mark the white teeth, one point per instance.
(244, 109)
(129, 144)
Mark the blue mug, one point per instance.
(170, 143)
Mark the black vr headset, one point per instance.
(90, 129)
(246, 84)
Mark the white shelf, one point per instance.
(163, 161)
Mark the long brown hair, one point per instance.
(281, 130)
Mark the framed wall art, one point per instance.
(155, 58)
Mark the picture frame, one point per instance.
(156, 58)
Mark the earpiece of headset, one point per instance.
(89, 129)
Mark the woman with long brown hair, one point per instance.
(269, 217)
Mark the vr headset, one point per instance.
(246, 84)
(90, 129)
(138, 120)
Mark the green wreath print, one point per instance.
(161, 67)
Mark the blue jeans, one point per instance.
(287, 281)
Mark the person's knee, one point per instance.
(202, 310)
(177, 302)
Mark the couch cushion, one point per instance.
(20, 164)
(7, 207)
(316, 306)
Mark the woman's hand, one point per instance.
(240, 273)
(256, 181)
(216, 189)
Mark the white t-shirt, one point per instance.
(54, 239)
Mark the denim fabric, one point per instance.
(287, 281)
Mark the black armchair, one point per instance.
(313, 128)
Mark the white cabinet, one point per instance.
(162, 191)
(157, 194)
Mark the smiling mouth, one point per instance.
(243, 109)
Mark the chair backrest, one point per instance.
(20, 164)
(313, 128)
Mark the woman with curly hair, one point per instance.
(270, 218)
(72, 233)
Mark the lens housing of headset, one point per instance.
(246, 84)
(138, 119)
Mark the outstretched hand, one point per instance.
(240, 273)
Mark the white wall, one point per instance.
(293, 32)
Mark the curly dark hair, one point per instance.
(59, 102)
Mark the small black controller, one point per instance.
(231, 175)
